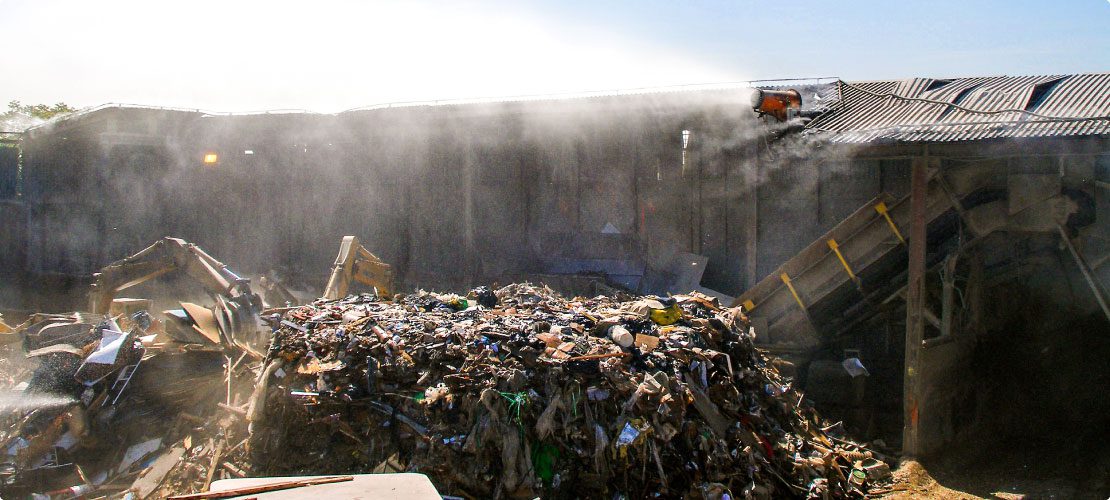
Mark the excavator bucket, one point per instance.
(356, 263)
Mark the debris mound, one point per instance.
(519, 392)
(103, 406)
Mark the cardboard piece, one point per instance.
(204, 321)
(646, 343)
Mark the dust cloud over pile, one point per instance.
(17, 122)
(451, 195)
(460, 192)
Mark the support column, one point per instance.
(915, 291)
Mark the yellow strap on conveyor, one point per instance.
(836, 249)
(786, 280)
(881, 208)
(748, 305)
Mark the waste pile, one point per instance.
(508, 393)
(519, 393)
(116, 406)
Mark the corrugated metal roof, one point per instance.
(720, 87)
(966, 109)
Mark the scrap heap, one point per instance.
(106, 405)
(520, 392)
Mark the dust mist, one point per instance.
(19, 122)
(450, 195)
(22, 401)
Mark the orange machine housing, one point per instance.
(776, 102)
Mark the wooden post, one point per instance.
(915, 326)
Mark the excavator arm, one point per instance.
(162, 257)
(356, 263)
(237, 310)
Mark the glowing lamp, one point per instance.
(211, 158)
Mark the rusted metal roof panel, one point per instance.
(967, 109)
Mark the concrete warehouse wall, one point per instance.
(452, 195)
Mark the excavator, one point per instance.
(357, 264)
(236, 313)
(235, 319)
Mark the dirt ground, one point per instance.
(1009, 477)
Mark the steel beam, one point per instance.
(1086, 270)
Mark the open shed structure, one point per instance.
(988, 275)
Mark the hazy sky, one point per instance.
(333, 55)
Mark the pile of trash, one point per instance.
(508, 393)
(519, 393)
(108, 405)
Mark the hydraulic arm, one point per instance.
(356, 263)
(237, 310)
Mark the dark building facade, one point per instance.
(453, 194)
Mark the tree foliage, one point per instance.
(40, 111)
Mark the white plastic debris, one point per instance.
(855, 367)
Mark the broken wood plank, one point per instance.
(285, 485)
(599, 356)
(153, 476)
(215, 461)
(709, 411)
(233, 409)
(192, 418)
(235, 471)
